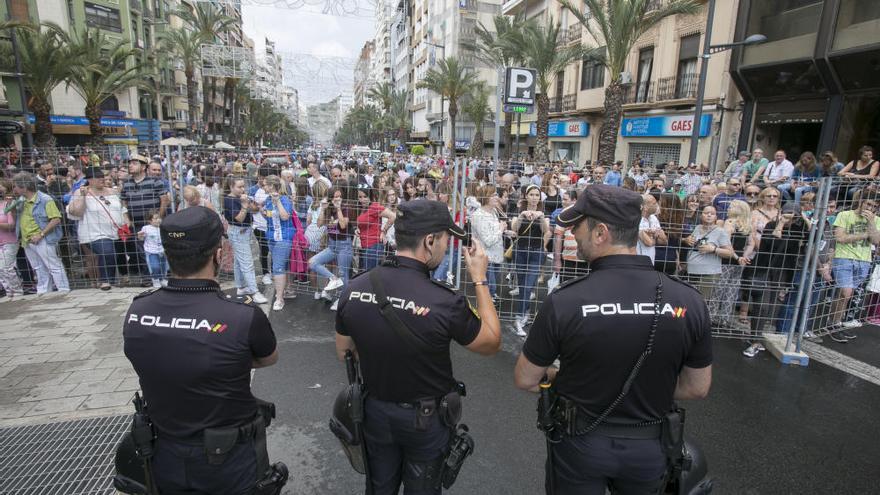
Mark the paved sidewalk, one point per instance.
(61, 357)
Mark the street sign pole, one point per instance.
(498, 118)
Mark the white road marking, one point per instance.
(842, 362)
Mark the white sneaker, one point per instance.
(241, 292)
(514, 291)
(317, 295)
(851, 324)
(518, 327)
(333, 284)
(533, 296)
(326, 296)
(164, 282)
(334, 305)
(259, 298)
(277, 305)
(157, 284)
(267, 279)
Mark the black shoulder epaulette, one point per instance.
(568, 283)
(443, 284)
(147, 292)
(675, 278)
(245, 299)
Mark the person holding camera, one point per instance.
(400, 324)
(605, 426)
(708, 243)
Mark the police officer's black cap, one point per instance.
(607, 204)
(194, 229)
(423, 217)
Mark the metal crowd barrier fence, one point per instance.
(794, 282)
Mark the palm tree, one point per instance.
(206, 19)
(451, 80)
(618, 25)
(101, 69)
(185, 45)
(494, 47)
(44, 62)
(477, 111)
(384, 95)
(541, 51)
(399, 117)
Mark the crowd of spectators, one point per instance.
(304, 223)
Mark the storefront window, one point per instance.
(859, 126)
(858, 71)
(789, 25)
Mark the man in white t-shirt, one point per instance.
(778, 172)
(650, 232)
(315, 175)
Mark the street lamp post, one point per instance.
(708, 50)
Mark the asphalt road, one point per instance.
(765, 428)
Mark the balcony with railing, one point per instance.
(682, 87)
(569, 103)
(573, 35)
(555, 104)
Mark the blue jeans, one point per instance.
(242, 258)
(371, 256)
(528, 266)
(105, 253)
(280, 256)
(445, 265)
(492, 275)
(337, 249)
(158, 265)
(784, 189)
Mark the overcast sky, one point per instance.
(307, 31)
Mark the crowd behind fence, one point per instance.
(792, 256)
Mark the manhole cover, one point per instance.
(66, 458)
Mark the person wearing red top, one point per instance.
(369, 225)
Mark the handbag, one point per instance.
(508, 254)
(124, 232)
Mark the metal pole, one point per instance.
(498, 117)
(168, 167)
(461, 223)
(822, 210)
(455, 168)
(701, 86)
(518, 123)
(180, 169)
(805, 270)
(442, 144)
(28, 131)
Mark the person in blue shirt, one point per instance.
(613, 177)
(806, 172)
(280, 231)
(733, 193)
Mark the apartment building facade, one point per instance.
(661, 77)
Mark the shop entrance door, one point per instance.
(794, 139)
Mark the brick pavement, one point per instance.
(61, 357)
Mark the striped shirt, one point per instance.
(141, 197)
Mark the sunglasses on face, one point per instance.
(752, 194)
(734, 184)
(772, 196)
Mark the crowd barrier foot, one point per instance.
(775, 344)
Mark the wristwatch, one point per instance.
(482, 282)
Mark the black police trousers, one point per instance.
(588, 464)
(182, 468)
(398, 453)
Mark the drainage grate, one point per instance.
(66, 458)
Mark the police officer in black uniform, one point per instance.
(193, 348)
(598, 326)
(406, 438)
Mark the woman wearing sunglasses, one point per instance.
(101, 214)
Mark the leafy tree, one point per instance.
(618, 25)
(477, 111)
(541, 51)
(98, 69)
(185, 45)
(451, 80)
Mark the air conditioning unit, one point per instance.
(626, 77)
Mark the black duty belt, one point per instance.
(246, 433)
(638, 432)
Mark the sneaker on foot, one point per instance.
(278, 305)
(752, 350)
(317, 295)
(334, 283)
(267, 279)
(326, 296)
(812, 337)
(533, 296)
(241, 292)
(334, 305)
(837, 337)
(157, 284)
(514, 291)
(259, 298)
(518, 327)
(851, 324)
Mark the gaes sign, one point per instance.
(520, 87)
